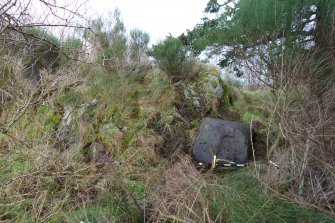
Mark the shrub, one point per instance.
(70, 49)
(43, 52)
(173, 58)
(138, 43)
(109, 41)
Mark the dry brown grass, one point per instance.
(49, 182)
(306, 122)
(183, 198)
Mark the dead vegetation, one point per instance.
(183, 196)
(306, 120)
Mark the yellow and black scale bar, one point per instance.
(225, 163)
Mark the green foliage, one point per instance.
(254, 115)
(42, 35)
(214, 83)
(252, 103)
(42, 109)
(139, 189)
(52, 121)
(2, 137)
(256, 98)
(46, 117)
(263, 31)
(233, 81)
(195, 123)
(109, 39)
(228, 94)
(116, 50)
(71, 43)
(110, 207)
(70, 49)
(138, 43)
(111, 136)
(93, 214)
(71, 96)
(173, 57)
(139, 38)
(15, 165)
(44, 51)
(114, 90)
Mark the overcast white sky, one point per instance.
(157, 17)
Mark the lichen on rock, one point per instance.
(204, 91)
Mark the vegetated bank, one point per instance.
(111, 142)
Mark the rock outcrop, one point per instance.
(96, 152)
(205, 91)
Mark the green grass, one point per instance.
(109, 210)
(2, 137)
(71, 97)
(247, 116)
(140, 190)
(250, 104)
(14, 164)
(245, 201)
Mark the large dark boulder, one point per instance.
(226, 139)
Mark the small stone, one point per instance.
(96, 152)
